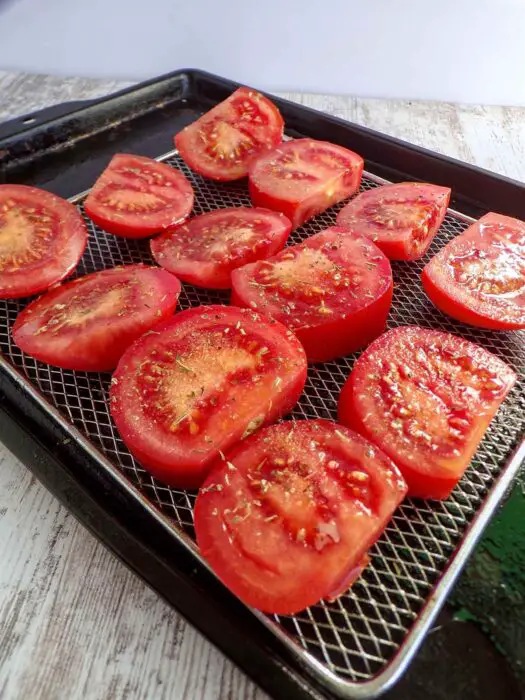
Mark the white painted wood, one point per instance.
(75, 624)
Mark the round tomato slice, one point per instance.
(204, 381)
(401, 219)
(88, 323)
(209, 247)
(224, 142)
(42, 238)
(136, 197)
(304, 177)
(479, 276)
(426, 398)
(334, 291)
(287, 517)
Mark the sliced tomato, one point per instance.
(42, 238)
(426, 398)
(401, 219)
(202, 382)
(209, 247)
(479, 276)
(136, 197)
(334, 291)
(225, 141)
(287, 517)
(304, 177)
(88, 323)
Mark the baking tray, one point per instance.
(58, 421)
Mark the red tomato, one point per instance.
(479, 277)
(205, 380)
(401, 219)
(302, 178)
(42, 238)
(88, 323)
(136, 197)
(209, 247)
(426, 398)
(334, 291)
(288, 516)
(224, 142)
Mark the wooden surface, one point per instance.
(74, 622)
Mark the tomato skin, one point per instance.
(50, 255)
(128, 179)
(246, 120)
(426, 399)
(397, 237)
(284, 526)
(342, 319)
(188, 250)
(200, 383)
(490, 253)
(134, 299)
(304, 177)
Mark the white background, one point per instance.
(460, 50)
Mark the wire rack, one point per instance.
(353, 639)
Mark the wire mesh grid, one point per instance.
(357, 635)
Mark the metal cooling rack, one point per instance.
(358, 645)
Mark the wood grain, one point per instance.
(74, 622)
(21, 93)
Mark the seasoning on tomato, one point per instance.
(206, 249)
(334, 291)
(87, 324)
(426, 398)
(136, 197)
(304, 177)
(479, 276)
(288, 516)
(224, 142)
(42, 238)
(401, 219)
(197, 385)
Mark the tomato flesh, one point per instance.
(425, 398)
(334, 291)
(42, 238)
(304, 177)
(87, 324)
(287, 517)
(136, 197)
(479, 276)
(225, 141)
(206, 249)
(199, 384)
(401, 219)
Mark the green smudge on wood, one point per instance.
(492, 589)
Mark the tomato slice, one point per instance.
(288, 516)
(334, 291)
(87, 324)
(224, 142)
(426, 398)
(209, 247)
(304, 177)
(207, 379)
(479, 276)
(42, 238)
(136, 197)
(401, 219)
